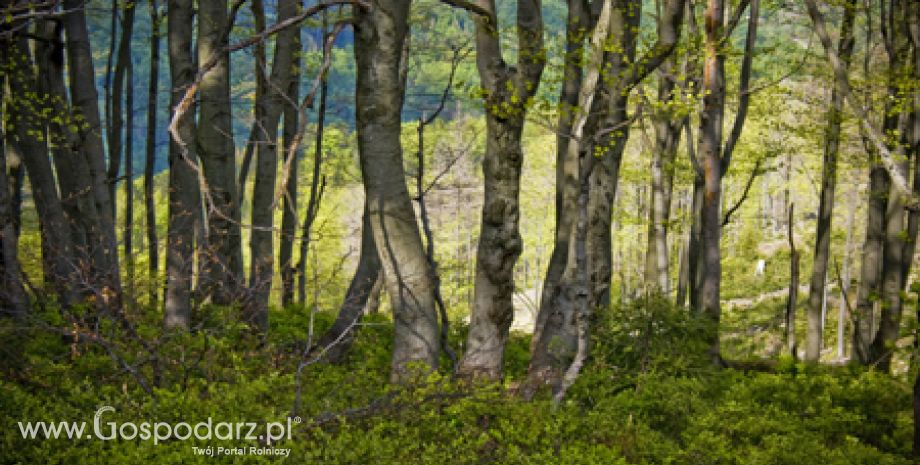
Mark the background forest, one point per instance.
(464, 231)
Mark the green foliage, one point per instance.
(646, 397)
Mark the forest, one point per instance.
(460, 231)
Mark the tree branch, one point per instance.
(744, 96)
(747, 189)
(889, 160)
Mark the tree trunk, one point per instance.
(338, 339)
(793, 295)
(507, 91)
(260, 71)
(153, 255)
(815, 336)
(380, 34)
(263, 192)
(710, 153)
(223, 259)
(57, 250)
(85, 105)
(77, 187)
(13, 298)
(894, 122)
(184, 200)
(117, 94)
(317, 183)
(845, 275)
(555, 344)
(128, 234)
(668, 127)
(289, 202)
(870, 272)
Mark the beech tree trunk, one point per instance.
(263, 193)
(338, 339)
(86, 105)
(714, 159)
(289, 202)
(870, 271)
(223, 271)
(115, 132)
(815, 336)
(897, 45)
(380, 34)
(184, 200)
(153, 254)
(13, 299)
(57, 250)
(668, 126)
(557, 332)
(508, 89)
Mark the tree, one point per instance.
(714, 160)
(556, 335)
(184, 200)
(291, 163)
(223, 272)
(380, 33)
(13, 296)
(85, 100)
(817, 291)
(153, 255)
(508, 91)
(25, 122)
(272, 105)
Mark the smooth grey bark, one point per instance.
(57, 250)
(559, 337)
(128, 234)
(579, 22)
(339, 337)
(555, 344)
(77, 187)
(263, 194)
(380, 33)
(153, 254)
(86, 108)
(714, 158)
(668, 127)
(870, 268)
(117, 97)
(897, 45)
(184, 200)
(815, 336)
(292, 160)
(13, 299)
(318, 182)
(223, 268)
(508, 91)
(260, 71)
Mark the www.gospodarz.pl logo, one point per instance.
(157, 432)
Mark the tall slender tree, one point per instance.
(380, 35)
(555, 340)
(184, 200)
(263, 195)
(508, 91)
(817, 291)
(223, 271)
(291, 162)
(153, 254)
(85, 101)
